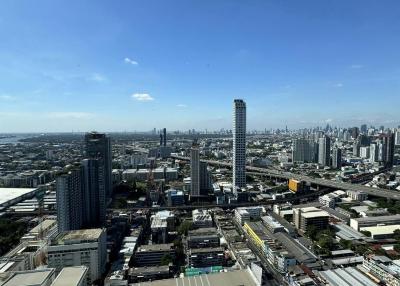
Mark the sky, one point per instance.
(132, 65)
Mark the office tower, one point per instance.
(195, 170)
(87, 247)
(303, 151)
(98, 146)
(337, 158)
(164, 137)
(356, 148)
(239, 144)
(94, 195)
(69, 199)
(355, 132)
(388, 140)
(373, 152)
(363, 129)
(161, 139)
(324, 154)
(205, 179)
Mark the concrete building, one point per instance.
(304, 218)
(244, 214)
(327, 200)
(195, 170)
(336, 158)
(206, 257)
(86, 247)
(203, 237)
(161, 223)
(359, 196)
(143, 274)
(272, 224)
(324, 153)
(381, 231)
(151, 255)
(202, 218)
(365, 152)
(69, 199)
(239, 144)
(175, 197)
(304, 151)
(71, 276)
(358, 223)
(98, 146)
(42, 277)
(94, 193)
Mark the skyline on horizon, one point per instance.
(132, 66)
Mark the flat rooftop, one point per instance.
(315, 214)
(70, 276)
(238, 277)
(34, 277)
(9, 194)
(155, 247)
(79, 235)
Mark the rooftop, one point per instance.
(70, 276)
(239, 277)
(34, 277)
(315, 214)
(9, 194)
(156, 247)
(78, 236)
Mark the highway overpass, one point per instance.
(378, 192)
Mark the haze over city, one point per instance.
(126, 66)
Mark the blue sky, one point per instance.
(135, 65)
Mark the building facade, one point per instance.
(239, 144)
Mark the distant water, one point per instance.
(13, 139)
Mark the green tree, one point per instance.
(184, 227)
(311, 232)
(166, 259)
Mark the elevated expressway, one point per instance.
(272, 173)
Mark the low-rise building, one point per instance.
(202, 218)
(203, 237)
(151, 255)
(206, 257)
(85, 247)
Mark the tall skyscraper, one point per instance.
(164, 137)
(324, 151)
(304, 150)
(373, 152)
(195, 170)
(69, 199)
(94, 195)
(98, 146)
(336, 158)
(397, 137)
(239, 144)
(388, 141)
(205, 179)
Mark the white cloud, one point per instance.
(181, 105)
(339, 84)
(97, 77)
(130, 61)
(7, 97)
(142, 97)
(356, 66)
(70, 115)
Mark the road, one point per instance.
(378, 192)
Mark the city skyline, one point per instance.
(134, 65)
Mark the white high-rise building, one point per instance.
(239, 144)
(397, 137)
(195, 171)
(324, 154)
